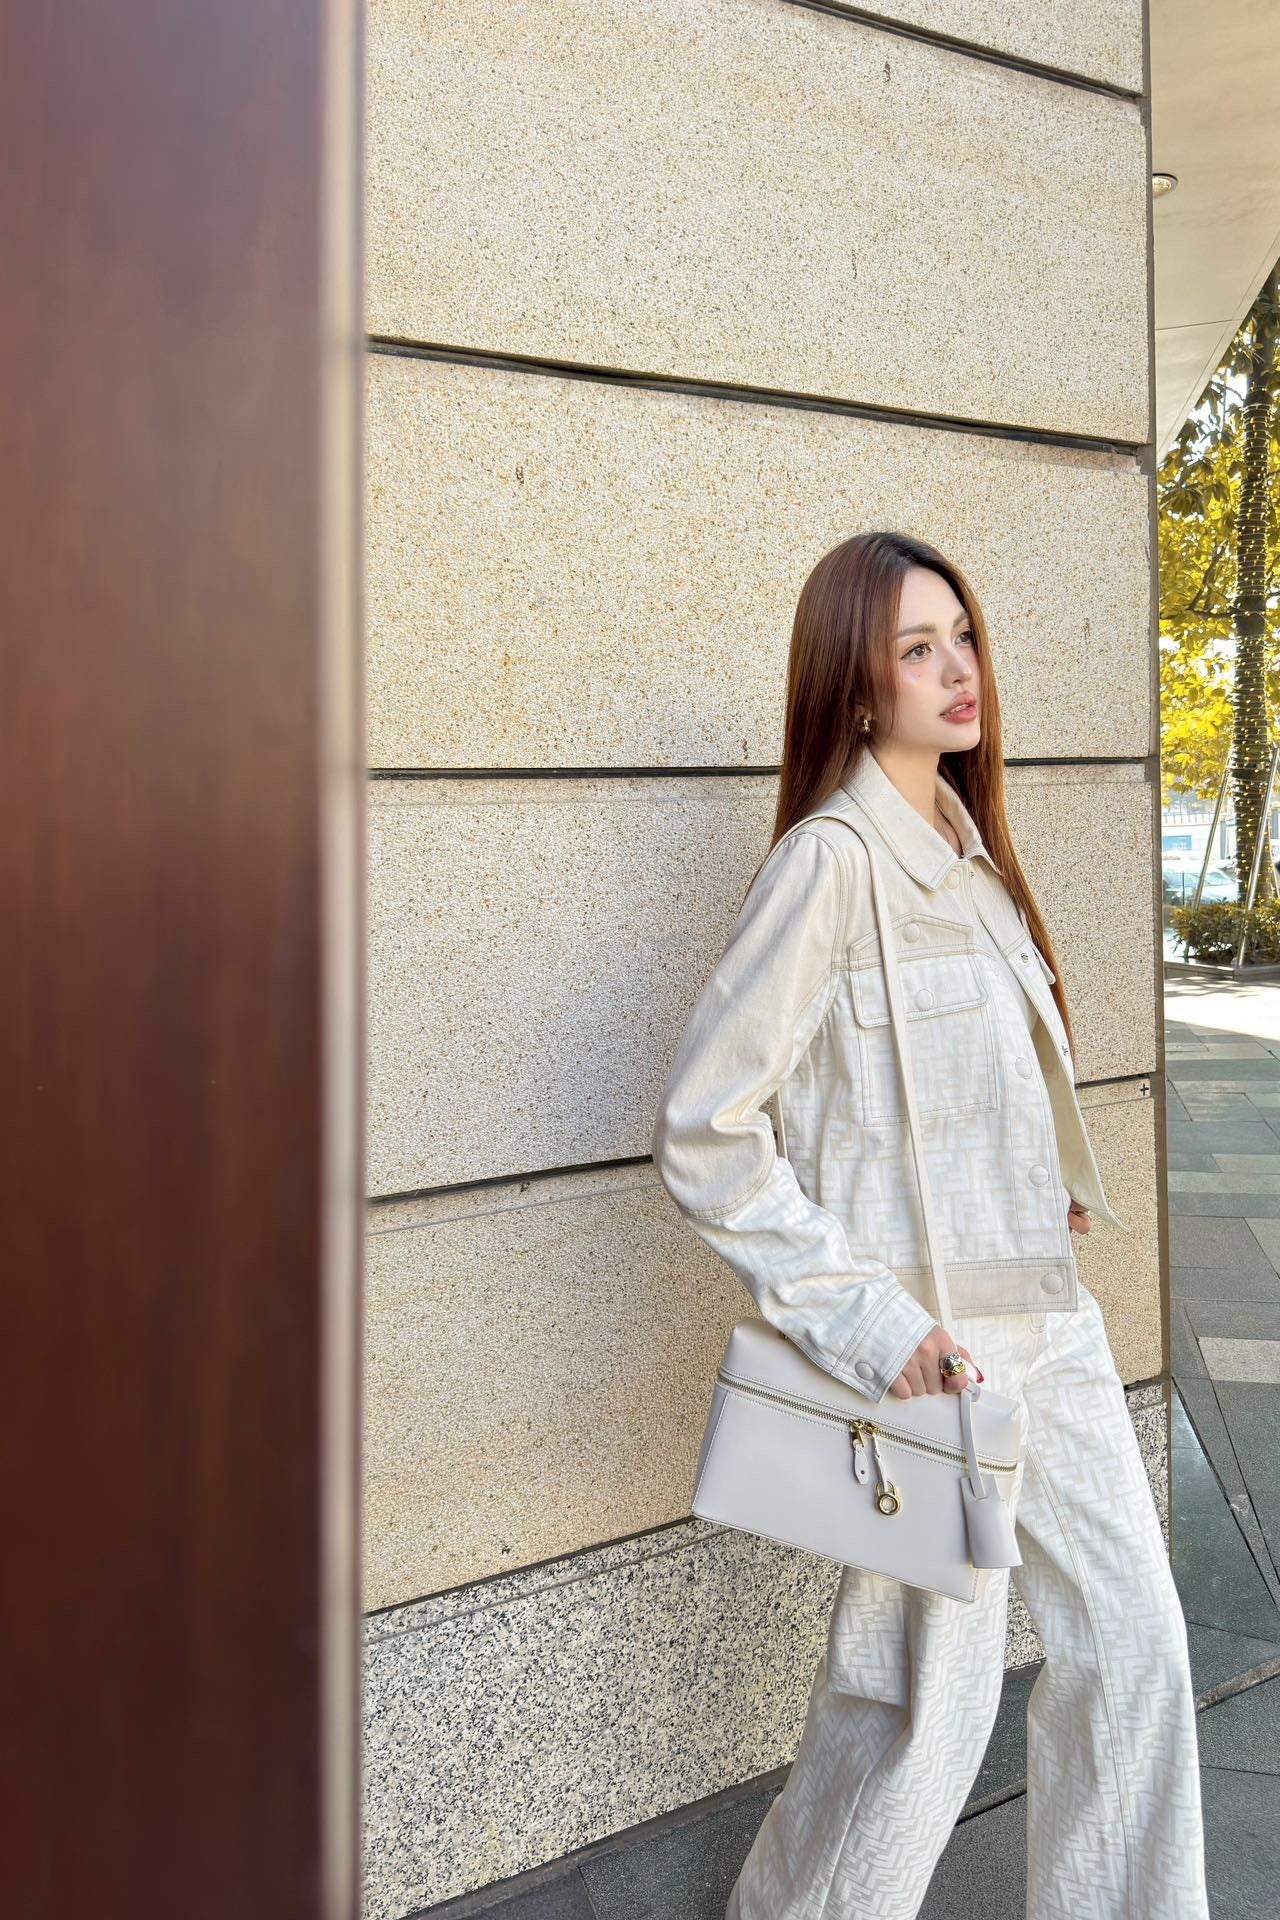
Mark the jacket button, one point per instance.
(1052, 1283)
(865, 1369)
(1038, 1176)
(1024, 955)
(924, 998)
(911, 931)
(1023, 1065)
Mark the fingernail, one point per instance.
(981, 1374)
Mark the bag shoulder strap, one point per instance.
(898, 1022)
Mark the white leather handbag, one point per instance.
(917, 1489)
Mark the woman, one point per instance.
(893, 721)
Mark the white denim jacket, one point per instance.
(829, 1241)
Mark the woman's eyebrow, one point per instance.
(927, 626)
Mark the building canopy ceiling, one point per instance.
(1215, 85)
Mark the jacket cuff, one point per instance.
(884, 1343)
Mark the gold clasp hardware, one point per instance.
(888, 1499)
(858, 1441)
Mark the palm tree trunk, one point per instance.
(1251, 731)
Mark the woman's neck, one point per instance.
(947, 831)
(916, 778)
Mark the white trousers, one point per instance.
(906, 1691)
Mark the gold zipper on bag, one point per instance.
(858, 1427)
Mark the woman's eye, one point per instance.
(922, 645)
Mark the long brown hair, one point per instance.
(843, 663)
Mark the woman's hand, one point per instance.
(921, 1373)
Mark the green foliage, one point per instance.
(1211, 932)
(1219, 534)
(1198, 493)
(1197, 490)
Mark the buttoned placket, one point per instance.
(958, 882)
(934, 864)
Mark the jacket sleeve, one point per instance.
(713, 1144)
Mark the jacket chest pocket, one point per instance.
(949, 1037)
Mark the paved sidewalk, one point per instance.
(1223, 1077)
(1223, 1088)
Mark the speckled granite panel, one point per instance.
(572, 573)
(512, 1722)
(769, 196)
(1149, 1410)
(1102, 41)
(1124, 1272)
(534, 948)
(1088, 842)
(583, 1422)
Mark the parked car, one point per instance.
(1179, 874)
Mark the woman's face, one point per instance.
(938, 666)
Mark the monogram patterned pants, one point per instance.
(906, 1691)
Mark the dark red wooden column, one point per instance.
(181, 997)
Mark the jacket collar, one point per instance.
(920, 848)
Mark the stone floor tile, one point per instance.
(1243, 1115)
(1232, 1047)
(1252, 1134)
(1244, 1181)
(1219, 1656)
(1262, 1547)
(558, 1896)
(1242, 1843)
(1235, 1319)
(1229, 1103)
(1257, 1360)
(1226, 1245)
(1219, 1582)
(686, 1869)
(983, 1869)
(1185, 1351)
(1221, 1076)
(1267, 1507)
(1183, 1160)
(1192, 1284)
(1243, 1732)
(1199, 1417)
(1267, 1235)
(1252, 1414)
(1226, 1203)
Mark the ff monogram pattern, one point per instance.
(827, 1236)
(828, 1239)
(906, 1692)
